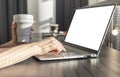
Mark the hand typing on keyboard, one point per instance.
(14, 54)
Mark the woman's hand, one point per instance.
(13, 42)
(14, 33)
(50, 45)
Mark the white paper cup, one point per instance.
(24, 29)
(24, 24)
(23, 18)
(24, 39)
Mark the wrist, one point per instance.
(39, 50)
(36, 49)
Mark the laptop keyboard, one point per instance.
(71, 53)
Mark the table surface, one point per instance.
(106, 65)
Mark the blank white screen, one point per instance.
(88, 26)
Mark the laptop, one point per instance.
(86, 33)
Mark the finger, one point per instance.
(62, 47)
(55, 53)
(31, 33)
(14, 34)
(14, 27)
(59, 47)
(32, 29)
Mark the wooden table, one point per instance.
(106, 65)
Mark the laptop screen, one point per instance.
(89, 26)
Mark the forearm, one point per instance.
(10, 44)
(17, 54)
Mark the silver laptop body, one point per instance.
(86, 33)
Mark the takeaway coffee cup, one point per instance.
(24, 24)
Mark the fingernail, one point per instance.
(65, 50)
